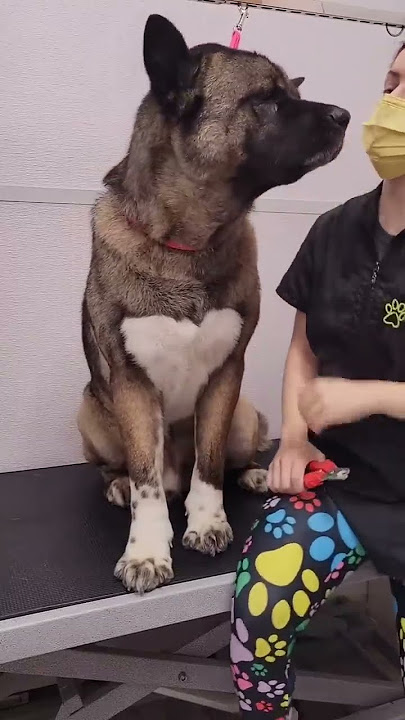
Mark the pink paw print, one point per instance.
(243, 682)
(248, 545)
(306, 500)
(314, 608)
(235, 671)
(264, 706)
(335, 573)
(241, 679)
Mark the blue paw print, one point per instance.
(279, 523)
(324, 547)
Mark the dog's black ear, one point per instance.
(298, 81)
(167, 60)
(116, 176)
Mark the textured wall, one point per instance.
(71, 78)
(44, 255)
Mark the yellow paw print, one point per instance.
(280, 568)
(270, 649)
(402, 633)
(394, 313)
(285, 703)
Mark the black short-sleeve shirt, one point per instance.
(354, 301)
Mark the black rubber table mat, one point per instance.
(60, 539)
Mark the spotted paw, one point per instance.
(254, 480)
(143, 576)
(212, 539)
(118, 492)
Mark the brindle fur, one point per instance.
(208, 139)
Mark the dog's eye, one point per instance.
(264, 105)
(264, 98)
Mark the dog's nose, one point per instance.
(339, 116)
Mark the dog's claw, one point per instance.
(211, 542)
(118, 492)
(254, 480)
(143, 576)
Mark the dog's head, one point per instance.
(235, 115)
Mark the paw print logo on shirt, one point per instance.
(394, 313)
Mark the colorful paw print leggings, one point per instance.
(300, 550)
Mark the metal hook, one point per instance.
(392, 34)
(244, 13)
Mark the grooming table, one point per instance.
(64, 618)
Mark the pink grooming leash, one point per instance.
(237, 31)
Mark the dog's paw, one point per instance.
(118, 492)
(209, 538)
(254, 480)
(143, 576)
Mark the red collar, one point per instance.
(173, 245)
(170, 244)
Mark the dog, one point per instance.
(173, 295)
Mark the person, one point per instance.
(343, 399)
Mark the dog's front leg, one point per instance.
(146, 562)
(208, 529)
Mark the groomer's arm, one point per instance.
(389, 399)
(334, 401)
(300, 368)
(287, 469)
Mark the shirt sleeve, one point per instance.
(298, 282)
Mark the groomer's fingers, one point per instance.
(274, 476)
(286, 471)
(297, 476)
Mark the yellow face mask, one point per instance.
(384, 137)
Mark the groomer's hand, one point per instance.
(286, 472)
(334, 401)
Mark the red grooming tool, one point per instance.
(318, 473)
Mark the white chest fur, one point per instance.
(179, 356)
